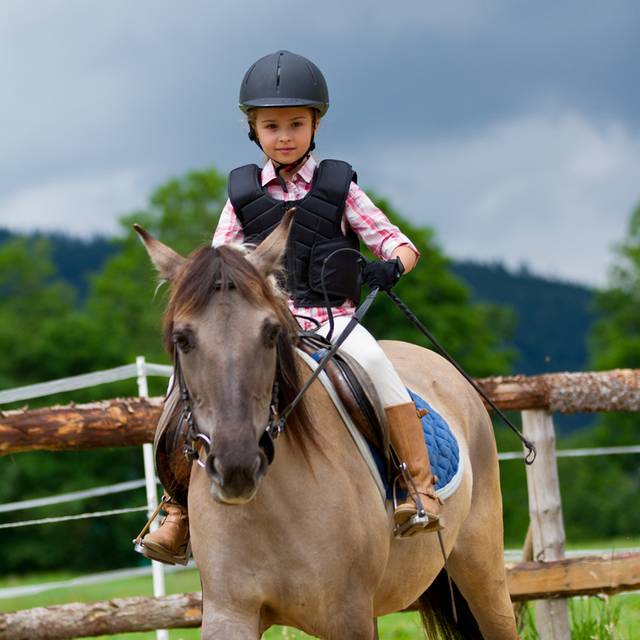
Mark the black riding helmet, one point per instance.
(284, 79)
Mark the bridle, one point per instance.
(195, 437)
(277, 418)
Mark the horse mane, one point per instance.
(211, 271)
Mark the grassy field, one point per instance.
(394, 627)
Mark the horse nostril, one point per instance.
(261, 465)
(214, 470)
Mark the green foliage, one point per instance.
(615, 340)
(552, 317)
(123, 302)
(608, 487)
(593, 618)
(33, 309)
(48, 338)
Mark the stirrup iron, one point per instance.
(420, 519)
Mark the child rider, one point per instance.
(284, 96)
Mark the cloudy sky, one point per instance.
(512, 128)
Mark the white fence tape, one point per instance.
(73, 495)
(578, 453)
(82, 581)
(163, 370)
(73, 383)
(79, 516)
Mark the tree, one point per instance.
(124, 300)
(33, 303)
(615, 340)
(601, 495)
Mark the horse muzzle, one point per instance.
(236, 481)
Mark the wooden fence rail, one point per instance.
(129, 422)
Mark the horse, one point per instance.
(307, 541)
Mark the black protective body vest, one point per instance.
(315, 231)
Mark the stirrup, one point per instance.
(420, 520)
(137, 541)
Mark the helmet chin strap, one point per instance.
(283, 167)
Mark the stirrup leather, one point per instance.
(420, 520)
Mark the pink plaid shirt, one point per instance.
(371, 224)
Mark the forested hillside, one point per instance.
(552, 317)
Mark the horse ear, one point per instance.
(267, 256)
(165, 260)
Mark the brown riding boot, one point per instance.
(170, 542)
(405, 432)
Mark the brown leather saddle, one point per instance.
(350, 380)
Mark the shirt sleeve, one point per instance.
(373, 226)
(229, 228)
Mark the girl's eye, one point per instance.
(271, 126)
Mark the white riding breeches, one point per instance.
(364, 348)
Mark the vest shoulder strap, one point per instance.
(244, 186)
(332, 181)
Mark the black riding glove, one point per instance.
(382, 274)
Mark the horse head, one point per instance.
(229, 330)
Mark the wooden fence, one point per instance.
(127, 422)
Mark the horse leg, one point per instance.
(363, 629)
(230, 625)
(476, 565)
(354, 621)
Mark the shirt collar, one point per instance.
(306, 171)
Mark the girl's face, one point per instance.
(284, 132)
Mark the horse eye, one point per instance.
(184, 341)
(270, 333)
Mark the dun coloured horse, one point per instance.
(307, 541)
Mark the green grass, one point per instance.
(394, 627)
(592, 618)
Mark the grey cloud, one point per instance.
(93, 90)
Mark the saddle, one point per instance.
(351, 382)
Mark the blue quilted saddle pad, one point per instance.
(444, 453)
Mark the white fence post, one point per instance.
(545, 513)
(152, 495)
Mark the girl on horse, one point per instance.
(284, 97)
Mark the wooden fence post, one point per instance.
(545, 513)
